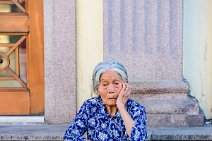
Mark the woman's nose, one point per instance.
(111, 88)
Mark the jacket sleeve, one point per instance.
(78, 126)
(139, 131)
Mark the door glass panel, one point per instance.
(22, 60)
(12, 61)
(10, 6)
(12, 50)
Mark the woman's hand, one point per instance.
(121, 101)
(123, 96)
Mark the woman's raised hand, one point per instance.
(123, 96)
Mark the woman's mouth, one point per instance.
(112, 98)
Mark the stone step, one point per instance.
(32, 132)
(180, 133)
(175, 120)
(45, 132)
(169, 106)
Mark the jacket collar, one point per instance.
(102, 111)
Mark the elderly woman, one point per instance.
(111, 115)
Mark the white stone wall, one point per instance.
(198, 51)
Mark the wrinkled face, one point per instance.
(110, 87)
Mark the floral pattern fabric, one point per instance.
(94, 119)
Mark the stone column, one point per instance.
(60, 60)
(146, 36)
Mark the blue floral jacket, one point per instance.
(94, 119)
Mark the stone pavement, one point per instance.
(55, 132)
(180, 133)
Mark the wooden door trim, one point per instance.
(35, 43)
(14, 22)
(14, 90)
(15, 103)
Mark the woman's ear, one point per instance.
(97, 91)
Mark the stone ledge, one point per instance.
(159, 87)
(170, 106)
(180, 133)
(47, 132)
(175, 120)
(42, 132)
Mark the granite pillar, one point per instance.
(146, 36)
(60, 60)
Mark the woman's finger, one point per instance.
(121, 94)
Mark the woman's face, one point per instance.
(110, 87)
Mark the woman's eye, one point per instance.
(117, 84)
(104, 85)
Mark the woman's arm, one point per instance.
(135, 124)
(128, 121)
(139, 131)
(78, 126)
(121, 105)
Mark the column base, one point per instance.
(167, 104)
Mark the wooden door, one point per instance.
(21, 57)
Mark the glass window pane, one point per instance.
(13, 66)
(9, 7)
